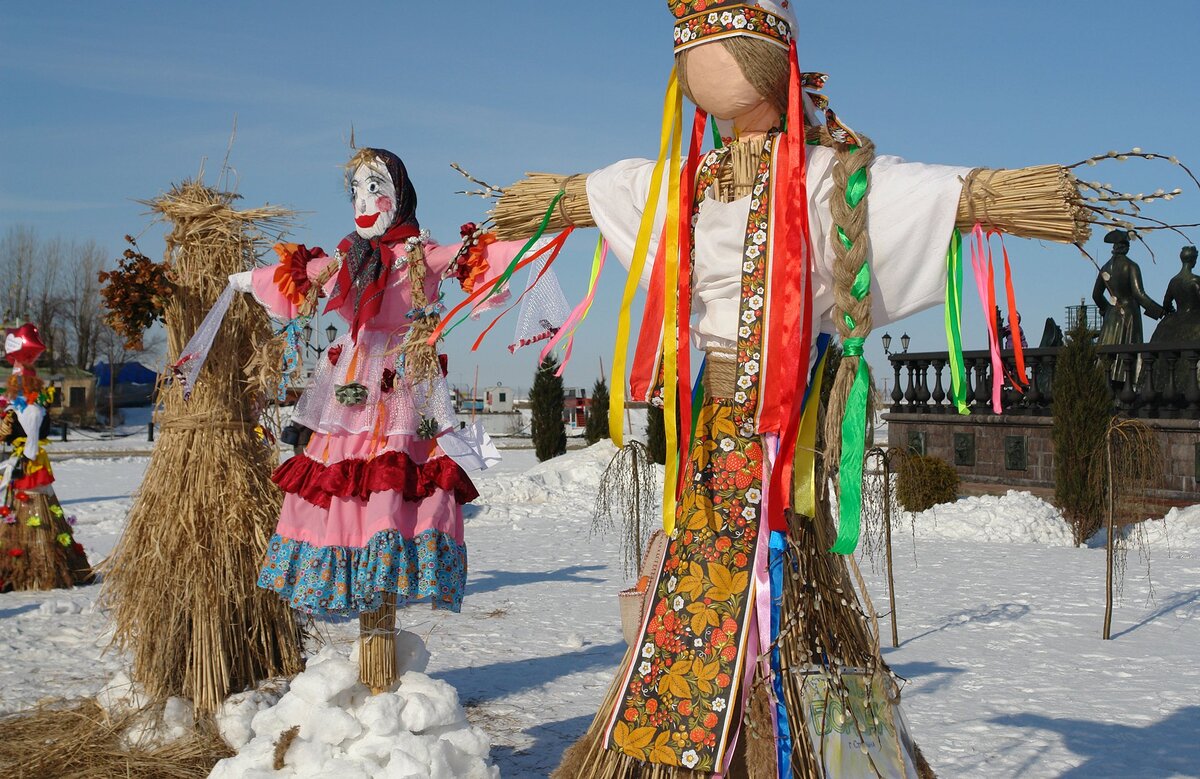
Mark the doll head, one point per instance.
(380, 191)
(732, 59)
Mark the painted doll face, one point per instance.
(718, 85)
(374, 197)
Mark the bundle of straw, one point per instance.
(1041, 202)
(82, 741)
(521, 208)
(181, 582)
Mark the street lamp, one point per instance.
(904, 341)
(331, 333)
(887, 343)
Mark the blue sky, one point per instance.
(102, 104)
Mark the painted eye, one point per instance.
(372, 187)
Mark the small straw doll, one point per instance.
(38, 550)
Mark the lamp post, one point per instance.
(904, 341)
(330, 335)
(887, 343)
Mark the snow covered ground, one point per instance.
(999, 620)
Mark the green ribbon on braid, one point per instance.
(954, 287)
(502, 280)
(854, 421)
(854, 433)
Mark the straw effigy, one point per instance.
(181, 582)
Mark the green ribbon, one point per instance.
(954, 287)
(512, 266)
(854, 420)
(854, 433)
(717, 143)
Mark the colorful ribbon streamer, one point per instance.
(580, 312)
(953, 309)
(987, 297)
(672, 105)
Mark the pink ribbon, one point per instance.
(983, 276)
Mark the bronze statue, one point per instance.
(1121, 280)
(1181, 324)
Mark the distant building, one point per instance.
(575, 406)
(498, 399)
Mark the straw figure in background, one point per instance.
(372, 509)
(758, 651)
(38, 550)
(180, 582)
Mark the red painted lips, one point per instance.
(367, 220)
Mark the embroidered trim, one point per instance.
(735, 20)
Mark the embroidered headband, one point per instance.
(701, 21)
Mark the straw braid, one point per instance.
(420, 359)
(852, 295)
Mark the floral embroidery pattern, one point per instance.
(723, 20)
(680, 695)
(754, 293)
(341, 581)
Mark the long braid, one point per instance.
(851, 275)
(420, 359)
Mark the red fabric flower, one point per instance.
(388, 381)
(473, 267)
(23, 497)
(15, 552)
(335, 352)
(5, 511)
(291, 275)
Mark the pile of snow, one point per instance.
(152, 726)
(577, 471)
(417, 730)
(1178, 533)
(1015, 517)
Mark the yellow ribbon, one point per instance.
(616, 401)
(804, 466)
(671, 316)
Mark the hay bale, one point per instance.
(181, 582)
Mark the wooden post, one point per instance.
(887, 530)
(377, 646)
(1108, 577)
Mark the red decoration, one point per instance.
(388, 381)
(77, 548)
(23, 497)
(5, 511)
(291, 275)
(23, 344)
(355, 478)
(335, 352)
(15, 552)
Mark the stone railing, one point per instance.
(1151, 382)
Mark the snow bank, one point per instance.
(418, 730)
(152, 726)
(1177, 534)
(1015, 517)
(577, 471)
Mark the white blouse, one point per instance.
(911, 209)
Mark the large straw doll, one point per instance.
(372, 511)
(757, 654)
(38, 550)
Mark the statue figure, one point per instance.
(1120, 295)
(1181, 324)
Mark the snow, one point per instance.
(999, 620)
(417, 729)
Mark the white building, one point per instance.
(498, 399)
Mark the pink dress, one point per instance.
(373, 505)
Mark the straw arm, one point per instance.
(521, 208)
(1041, 202)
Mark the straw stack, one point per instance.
(181, 582)
(523, 206)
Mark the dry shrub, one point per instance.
(923, 482)
(77, 740)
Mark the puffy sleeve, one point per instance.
(911, 210)
(281, 288)
(617, 197)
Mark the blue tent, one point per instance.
(130, 373)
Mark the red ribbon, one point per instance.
(789, 306)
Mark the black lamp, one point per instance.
(904, 341)
(307, 333)
(887, 342)
(331, 333)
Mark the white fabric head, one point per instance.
(373, 194)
